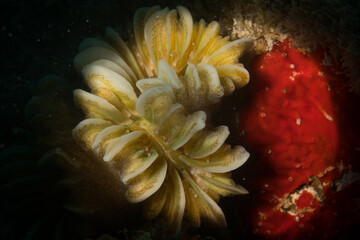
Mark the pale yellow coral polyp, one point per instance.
(146, 113)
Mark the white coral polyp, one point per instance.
(146, 117)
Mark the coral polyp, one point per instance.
(147, 110)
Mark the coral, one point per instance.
(306, 151)
(146, 113)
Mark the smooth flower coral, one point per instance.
(146, 113)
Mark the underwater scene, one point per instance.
(165, 119)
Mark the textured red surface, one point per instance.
(302, 131)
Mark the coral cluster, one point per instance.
(146, 113)
(146, 136)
